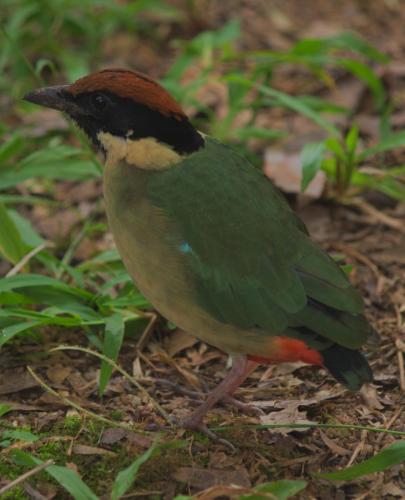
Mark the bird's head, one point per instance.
(124, 109)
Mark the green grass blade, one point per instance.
(11, 331)
(368, 76)
(289, 102)
(392, 455)
(113, 337)
(67, 478)
(299, 106)
(279, 490)
(126, 477)
(21, 281)
(394, 140)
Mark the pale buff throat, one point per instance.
(146, 153)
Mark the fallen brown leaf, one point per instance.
(177, 341)
(202, 479)
(289, 415)
(15, 382)
(83, 449)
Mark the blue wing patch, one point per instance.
(185, 247)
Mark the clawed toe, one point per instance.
(195, 426)
(246, 408)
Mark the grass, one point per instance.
(47, 287)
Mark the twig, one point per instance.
(390, 423)
(401, 369)
(358, 448)
(25, 476)
(153, 317)
(123, 373)
(374, 212)
(17, 268)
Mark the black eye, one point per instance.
(98, 102)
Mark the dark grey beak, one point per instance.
(55, 97)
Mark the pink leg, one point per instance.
(241, 368)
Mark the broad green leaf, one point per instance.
(392, 455)
(126, 477)
(12, 246)
(311, 161)
(113, 337)
(67, 478)
(279, 490)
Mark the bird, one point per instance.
(210, 241)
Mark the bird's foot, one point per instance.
(191, 424)
(196, 425)
(245, 408)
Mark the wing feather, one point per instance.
(250, 257)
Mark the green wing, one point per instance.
(250, 257)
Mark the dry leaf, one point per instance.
(221, 491)
(177, 341)
(113, 435)
(189, 376)
(289, 415)
(15, 382)
(84, 449)
(334, 447)
(370, 397)
(16, 405)
(58, 373)
(206, 478)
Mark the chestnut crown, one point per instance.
(122, 103)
